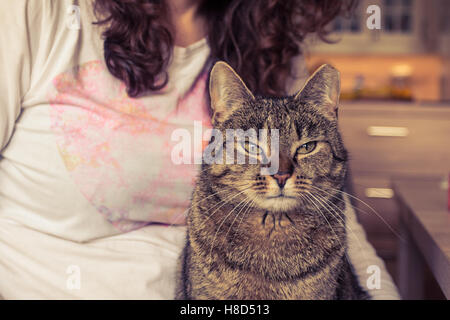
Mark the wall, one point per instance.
(427, 71)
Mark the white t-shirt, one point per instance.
(86, 175)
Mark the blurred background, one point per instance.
(395, 119)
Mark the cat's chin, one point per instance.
(279, 203)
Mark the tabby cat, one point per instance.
(281, 236)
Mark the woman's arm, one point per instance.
(15, 61)
(366, 264)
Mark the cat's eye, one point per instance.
(251, 148)
(307, 147)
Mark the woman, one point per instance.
(91, 205)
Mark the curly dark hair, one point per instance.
(258, 38)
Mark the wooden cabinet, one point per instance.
(385, 140)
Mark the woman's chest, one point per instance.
(124, 153)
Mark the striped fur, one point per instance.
(244, 241)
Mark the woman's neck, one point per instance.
(189, 26)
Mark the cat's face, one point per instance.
(310, 153)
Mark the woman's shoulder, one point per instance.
(30, 13)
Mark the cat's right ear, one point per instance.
(227, 90)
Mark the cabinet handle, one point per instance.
(375, 131)
(383, 193)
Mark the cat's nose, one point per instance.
(281, 178)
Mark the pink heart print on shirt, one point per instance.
(117, 149)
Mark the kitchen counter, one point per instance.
(425, 225)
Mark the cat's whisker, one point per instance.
(179, 215)
(223, 221)
(337, 197)
(320, 211)
(372, 209)
(341, 223)
(237, 215)
(249, 208)
(211, 195)
(222, 203)
(344, 224)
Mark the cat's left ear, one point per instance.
(227, 90)
(323, 88)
